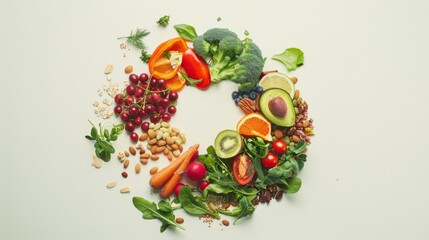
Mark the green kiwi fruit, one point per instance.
(228, 144)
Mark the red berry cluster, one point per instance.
(144, 98)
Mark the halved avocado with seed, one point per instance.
(228, 143)
(277, 106)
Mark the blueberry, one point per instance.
(258, 89)
(235, 95)
(236, 100)
(252, 95)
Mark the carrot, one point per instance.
(162, 176)
(177, 175)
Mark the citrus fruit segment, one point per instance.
(255, 125)
(277, 80)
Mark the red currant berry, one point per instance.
(156, 97)
(139, 92)
(149, 109)
(130, 89)
(165, 102)
(125, 116)
(119, 99)
(160, 109)
(171, 109)
(165, 117)
(133, 78)
(173, 96)
(129, 100)
(137, 121)
(133, 111)
(155, 118)
(134, 137)
(118, 109)
(145, 126)
(162, 84)
(129, 126)
(143, 77)
(142, 114)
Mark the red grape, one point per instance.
(129, 100)
(119, 99)
(138, 121)
(133, 111)
(162, 84)
(142, 113)
(165, 117)
(156, 97)
(139, 92)
(165, 102)
(130, 126)
(149, 109)
(125, 116)
(173, 96)
(155, 118)
(118, 109)
(130, 89)
(171, 109)
(145, 126)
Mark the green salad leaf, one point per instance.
(186, 31)
(292, 58)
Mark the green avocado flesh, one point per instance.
(277, 106)
(228, 143)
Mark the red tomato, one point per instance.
(196, 68)
(279, 146)
(242, 169)
(270, 161)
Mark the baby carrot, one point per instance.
(177, 175)
(162, 176)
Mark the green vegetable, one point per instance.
(163, 21)
(186, 31)
(292, 58)
(103, 139)
(231, 58)
(136, 38)
(192, 205)
(244, 208)
(163, 212)
(189, 81)
(145, 56)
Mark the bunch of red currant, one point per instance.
(144, 98)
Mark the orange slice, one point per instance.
(255, 125)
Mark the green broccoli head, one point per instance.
(231, 58)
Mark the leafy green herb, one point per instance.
(292, 58)
(246, 33)
(103, 138)
(163, 212)
(192, 205)
(294, 184)
(186, 31)
(163, 21)
(219, 19)
(189, 81)
(145, 56)
(136, 38)
(166, 55)
(243, 209)
(256, 147)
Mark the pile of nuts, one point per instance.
(161, 138)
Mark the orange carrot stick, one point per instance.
(162, 176)
(177, 175)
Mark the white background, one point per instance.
(365, 79)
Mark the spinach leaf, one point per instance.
(151, 211)
(192, 205)
(294, 184)
(186, 31)
(243, 209)
(292, 58)
(103, 138)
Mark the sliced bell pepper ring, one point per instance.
(196, 68)
(159, 65)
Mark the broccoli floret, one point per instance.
(230, 57)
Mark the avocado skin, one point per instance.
(289, 119)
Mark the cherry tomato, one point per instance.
(270, 161)
(242, 169)
(279, 146)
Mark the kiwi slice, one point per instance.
(228, 144)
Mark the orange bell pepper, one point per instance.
(159, 65)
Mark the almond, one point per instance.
(108, 69)
(137, 168)
(128, 69)
(132, 150)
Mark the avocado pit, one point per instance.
(277, 107)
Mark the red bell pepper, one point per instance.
(196, 68)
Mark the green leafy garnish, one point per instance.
(163, 21)
(103, 138)
(192, 205)
(163, 212)
(219, 19)
(292, 58)
(189, 81)
(136, 38)
(145, 56)
(186, 31)
(244, 208)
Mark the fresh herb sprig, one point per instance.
(103, 138)
(145, 56)
(136, 38)
(163, 212)
(163, 21)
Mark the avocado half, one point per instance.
(277, 106)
